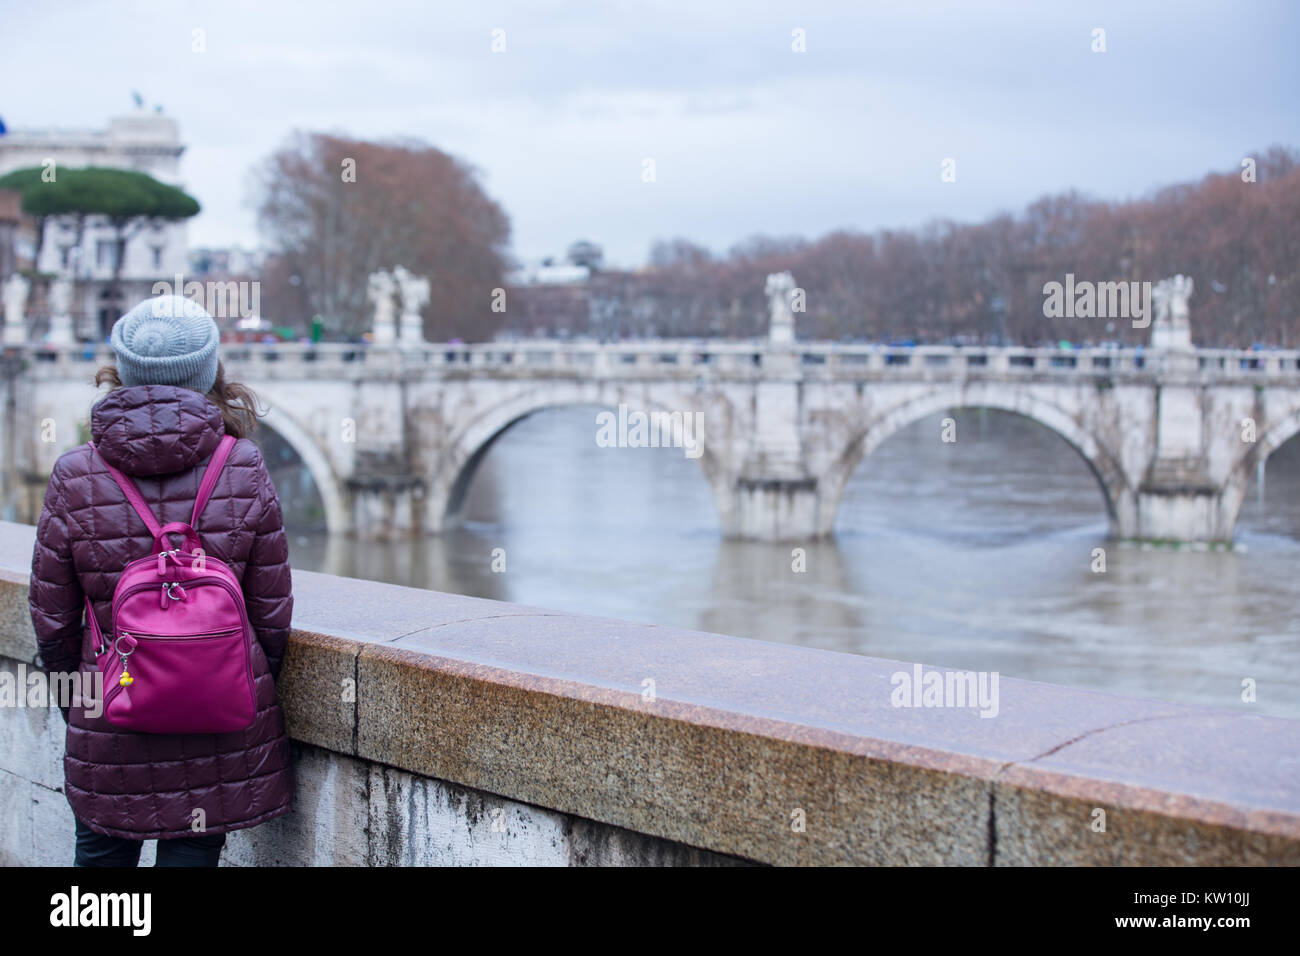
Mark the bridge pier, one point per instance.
(1183, 514)
(775, 509)
(387, 507)
(775, 496)
(1177, 499)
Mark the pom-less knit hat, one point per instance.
(167, 340)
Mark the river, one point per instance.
(977, 554)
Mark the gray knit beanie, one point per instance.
(167, 340)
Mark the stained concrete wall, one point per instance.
(347, 812)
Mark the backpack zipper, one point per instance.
(145, 635)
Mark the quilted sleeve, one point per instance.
(55, 597)
(268, 587)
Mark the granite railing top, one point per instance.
(722, 742)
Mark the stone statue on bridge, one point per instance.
(60, 296)
(780, 331)
(15, 299)
(380, 292)
(415, 296)
(1172, 328)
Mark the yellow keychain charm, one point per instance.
(126, 680)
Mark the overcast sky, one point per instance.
(747, 135)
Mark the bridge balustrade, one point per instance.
(818, 360)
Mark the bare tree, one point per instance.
(984, 282)
(337, 209)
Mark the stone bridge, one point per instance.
(392, 435)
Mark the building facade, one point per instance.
(145, 141)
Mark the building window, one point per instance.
(65, 254)
(157, 257)
(110, 310)
(106, 254)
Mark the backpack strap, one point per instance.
(210, 476)
(132, 495)
(208, 482)
(100, 646)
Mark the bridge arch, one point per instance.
(866, 437)
(459, 459)
(1272, 437)
(338, 516)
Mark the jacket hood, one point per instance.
(155, 429)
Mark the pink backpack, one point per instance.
(179, 657)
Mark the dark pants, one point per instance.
(96, 849)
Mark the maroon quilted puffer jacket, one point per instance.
(147, 786)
